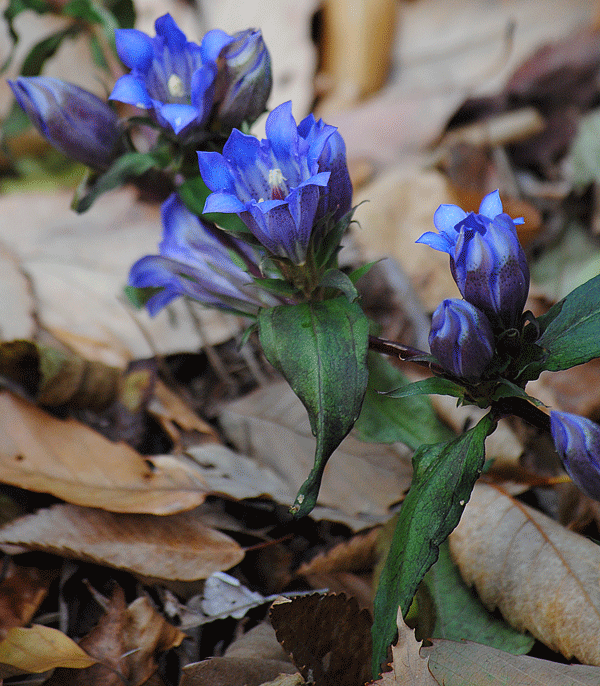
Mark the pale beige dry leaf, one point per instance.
(40, 648)
(286, 680)
(75, 463)
(409, 667)
(259, 642)
(466, 663)
(234, 671)
(177, 547)
(542, 577)
(272, 427)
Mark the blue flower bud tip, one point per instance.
(461, 338)
(577, 441)
(75, 121)
(486, 258)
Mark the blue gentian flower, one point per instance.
(244, 80)
(170, 77)
(75, 121)
(196, 260)
(486, 258)
(577, 441)
(281, 186)
(461, 338)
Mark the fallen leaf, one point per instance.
(264, 421)
(409, 667)
(40, 648)
(354, 555)
(22, 590)
(71, 461)
(260, 642)
(126, 642)
(466, 663)
(234, 671)
(542, 577)
(327, 637)
(176, 547)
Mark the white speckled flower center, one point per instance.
(175, 86)
(276, 183)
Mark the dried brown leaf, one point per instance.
(354, 555)
(542, 577)
(177, 547)
(22, 591)
(40, 648)
(466, 663)
(234, 671)
(327, 637)
(260, 642)
(409, 667)
(264, 421)
(75, 463)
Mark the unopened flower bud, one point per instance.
(75, 121)
(577, 441)
(244, 80)
(486, 258)
(461, 338)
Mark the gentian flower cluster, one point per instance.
(181, 83)
(199, 261)
(75, 121)
(284, 186)
(491, 272)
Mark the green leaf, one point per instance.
(138, 297)
(37, 56)
(571, 329)
(277, 286)
(460, 615)
(128, 166)
(15, 7)
(361, 271)
(428, 386)
(444, 475)
(334, 278)
(385, 419)
(321, 350)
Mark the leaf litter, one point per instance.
(132, 514)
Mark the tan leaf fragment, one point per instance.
(479, 664)
(409, 667)
(75, 463)
(542, 577)
(177, 547)
(234, 671)
(40, 648)
(355, 555)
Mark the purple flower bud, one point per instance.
(461, 338)
(244, 80)
(486, 258)
(196, 260)
(577, 441)
(281, 186)
(75, 121)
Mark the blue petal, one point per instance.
(173, 36)
(282, 132)
(134, 49)
(202, 88)
(177, 116)
(437, 242)
(223, 202)
(446, 217)
(491, 205)
(128, 89)
(215, 172)
(212, 44)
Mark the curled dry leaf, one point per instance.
(465, 663)
(41, 648)
(542, 577)
(176, 548)
(408, 665)
(75, 463)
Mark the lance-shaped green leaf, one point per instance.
(443, 479)
(570, 330)
(321, 350)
